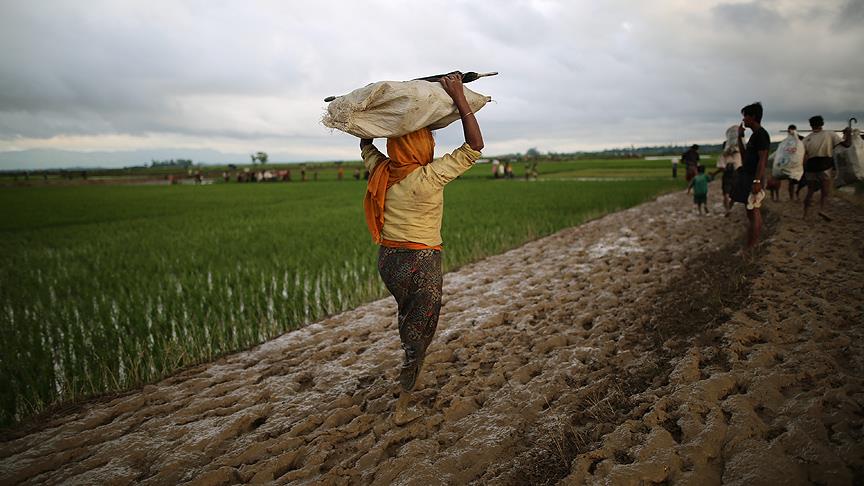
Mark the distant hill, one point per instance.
(40, 159)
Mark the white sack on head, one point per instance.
(850, 161)
(789, 158)
(730, 154)
(389, 109)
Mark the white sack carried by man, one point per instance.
(730, 153)
(789, 158)
(850, 160)
(389, 109)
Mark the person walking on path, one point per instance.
(728, 163)
(818, 162)
(727, 183)
(404, 207)
(748, 181)
(699, 185)
(793, 175)
(691, 161)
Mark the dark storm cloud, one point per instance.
(850, 15)
(124, 70)
(751, 16)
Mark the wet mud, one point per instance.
(634, 349)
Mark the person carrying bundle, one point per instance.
(403, 206)
(691, 161)
(727, 163)
(818, 162)
(789, 162)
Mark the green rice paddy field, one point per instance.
(104, 288)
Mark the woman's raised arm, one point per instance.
(452, 84)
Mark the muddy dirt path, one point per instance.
(633, 349)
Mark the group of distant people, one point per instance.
(819, 147)
(502, 170)
(745, 183)
(283, 175)
(743, 167)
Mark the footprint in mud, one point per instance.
(305, 381)
(527, 372)
(378, 405)
(460, 407)
(306, 425)
(774, 432)
(341, 416)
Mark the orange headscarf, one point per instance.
(406, 154)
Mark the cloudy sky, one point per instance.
(243, 76)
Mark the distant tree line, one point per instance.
(627, 152)
(182, 163)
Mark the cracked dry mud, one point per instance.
(634, 349)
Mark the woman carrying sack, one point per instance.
(404, 205)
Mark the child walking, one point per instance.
(699, 185)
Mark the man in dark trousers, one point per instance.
(748, 183)
(818, 162)
(691, 161)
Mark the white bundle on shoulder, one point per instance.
(789, 158)
(389, 109)
(850, 160)
(730, 154)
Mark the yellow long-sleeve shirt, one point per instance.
(414, 207)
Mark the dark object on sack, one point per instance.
(466, 78)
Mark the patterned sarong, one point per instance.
(414, 278)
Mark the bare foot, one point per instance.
(404, 413)
(747, 253)
(406, 416)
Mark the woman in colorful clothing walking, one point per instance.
(404, 205)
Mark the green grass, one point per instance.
(103, 288)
